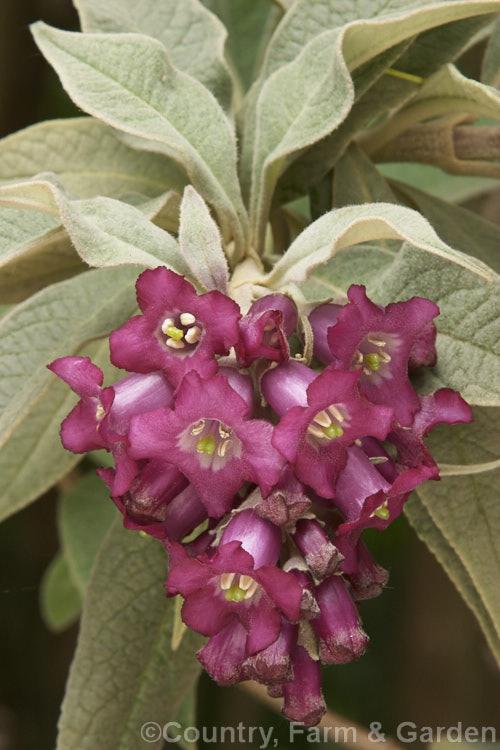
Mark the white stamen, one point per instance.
(173, 344)
(384, 356)
(323, 419)
(193, 335)
(378, 459)
(336, 413)
(358, 442)
(221, 450)
(367, 370)
(224, 431)
(269, 326)
(245, 582)
(187, 319)
(274, 339)
(100, 412)
(358, 357)
(312, 430)
(226, 580)
(167, 323)
(198, 427)
(251, 591)
(375, 341)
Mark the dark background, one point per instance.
(428, 662)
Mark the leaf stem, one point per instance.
(455, 470)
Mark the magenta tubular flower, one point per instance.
(423, 352)
(321, 556)
(240, 383)
(159, 501)
(380, 343)
(314, 438)
(286, 502)
(368, 500)
(442, 407)
(366, 577)
(309, 608)
(321, 319)
(210, 440)
(286, 386)
(178, 331)
(341, 637)
(265, 330)
(102, 416)
(80, 431)
(230, 584)
(303, 698)
(273, 665)
(224, 655)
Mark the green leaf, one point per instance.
(88, 160)
(429, 532)
(34, 252)
(456, 225)
(352, 225)
(490, 71)
(85, 158)
(200, 243)
(58, 321)
(85, 515)
(60, 600)
(124, 673)
(371, 26)
(104, 231)
(186, 717)
(246, 22)
(334, 33)
(151, 99)
(377, 95)
(435, 182)
(193, 37)
(298, 105)
(465, 510)
(368, 21)
(356, 180)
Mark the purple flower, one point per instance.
(232, 583)
(80, 431)
(159, 501)
(380, 343)
(442, 407)
(321, 319)
(367, 578)
(273, 665)
(265, 330)
(178, 331)
(314, 438)
(368, 500)
(321, 556)
(224, 654)
(303, 697)
(102, 416)
(287, 500)
(341, 637)
(209, 439)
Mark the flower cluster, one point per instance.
(259, 473)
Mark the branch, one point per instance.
(463, 149)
